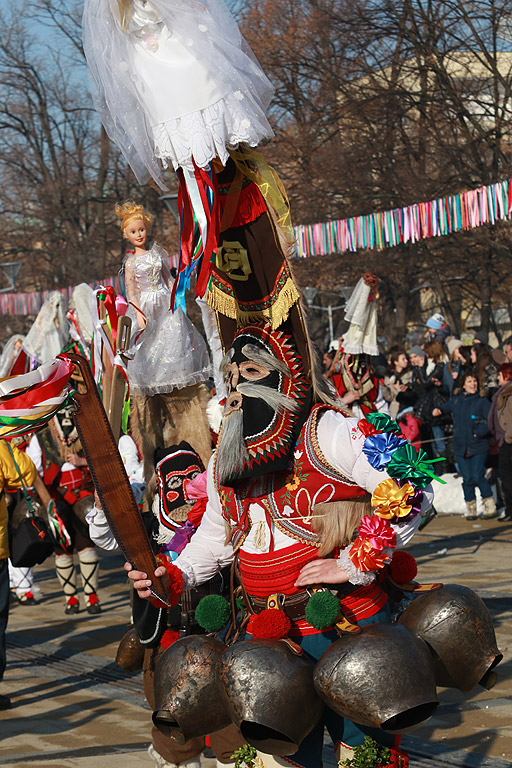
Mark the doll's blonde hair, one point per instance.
(129, 211)
(124, 12)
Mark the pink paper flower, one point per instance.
(377, 532)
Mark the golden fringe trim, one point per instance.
(275, 315)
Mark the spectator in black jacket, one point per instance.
(426, 383)
(471, 443)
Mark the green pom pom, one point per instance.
(213, 612)
(322, 609)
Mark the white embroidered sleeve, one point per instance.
(99, 530)
(341, 442)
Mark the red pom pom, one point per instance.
(73, 600)
(270, 624)
(403, 567)
(92, 599)
(169, 637)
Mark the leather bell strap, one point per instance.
(295, 606)
(111, 481)
(414, 586)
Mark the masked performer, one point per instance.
(352, 371)
(67, 476)
(170, 355)
(294, 479)
(177, 510)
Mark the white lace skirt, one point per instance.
(170, 353)
(197, 118)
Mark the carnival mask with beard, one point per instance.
(269, 399)
(64, 426)
(174, 467)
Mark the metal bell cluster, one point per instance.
(385, 676)
(457, 626)
(260, 685)
(382, 677)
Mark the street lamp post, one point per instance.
(309, 293)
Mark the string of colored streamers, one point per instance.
(464, 211)
(30, 303)
(200, 224)
(373, 231)
(29, 401)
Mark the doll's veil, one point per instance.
(9, 354)
(49, 333)
(212, 36)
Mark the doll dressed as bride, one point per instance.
(174, 83)
(170, 357)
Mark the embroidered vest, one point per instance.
(290, 497)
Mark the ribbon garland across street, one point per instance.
(373, 231)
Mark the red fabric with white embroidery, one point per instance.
(289, 499)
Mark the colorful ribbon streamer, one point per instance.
(29, 401)
(373, 231)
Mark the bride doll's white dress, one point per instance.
(177, 84)
(170, 353)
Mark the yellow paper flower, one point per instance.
(388, 500)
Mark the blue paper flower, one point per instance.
(379, 448)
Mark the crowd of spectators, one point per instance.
(455, 401)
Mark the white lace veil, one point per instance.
(49, 333)
(362, 316)
(207, 29)
(81, 304)
(9, 354)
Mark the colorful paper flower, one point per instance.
(414, 466)
(396, 500)
(365, 557)
(377, 532)
(366, 428)
(379, 448)
(383, 422)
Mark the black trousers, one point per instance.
(4, 611)
(505, 474)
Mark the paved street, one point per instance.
(72, 705)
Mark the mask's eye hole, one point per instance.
(254, 371)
